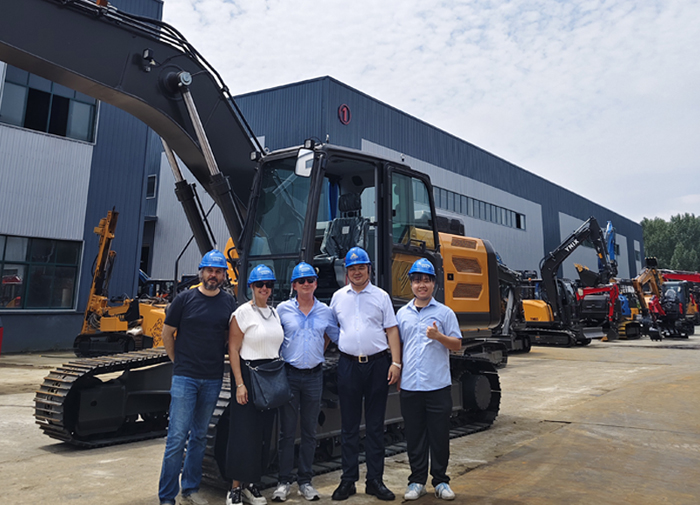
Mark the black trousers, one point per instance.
(426, 417)
(360, 383)
(250, 435)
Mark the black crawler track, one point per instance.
(76, 406)
(555, 336)
(476, 398)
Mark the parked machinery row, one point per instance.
(549, 310)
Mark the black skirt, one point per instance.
(250, 435)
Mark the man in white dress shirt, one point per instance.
(370, 360)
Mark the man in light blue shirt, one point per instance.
(370, 360)
(308, 326)
(429, 331)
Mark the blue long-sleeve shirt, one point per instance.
(303, 335)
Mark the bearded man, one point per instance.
(201, 318)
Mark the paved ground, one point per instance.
(610, 423)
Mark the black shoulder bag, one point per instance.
(269, 384)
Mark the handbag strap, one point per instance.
(255, 369)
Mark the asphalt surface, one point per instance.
(609, 423)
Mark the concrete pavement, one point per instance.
(610, 423)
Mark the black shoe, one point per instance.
(377, 488)
(344, 491)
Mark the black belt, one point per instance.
(305, 370)
(365, 359)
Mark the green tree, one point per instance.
(658, 240)
(684, 258)
(674, 243)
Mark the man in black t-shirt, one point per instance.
(201, 317)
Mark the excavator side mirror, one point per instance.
(305, 163)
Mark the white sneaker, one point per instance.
(251, 494)
(444, 492)
(193, 499)
(414, 491)
(308, 492)
(282, 492)
(234, 497)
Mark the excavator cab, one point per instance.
(319, 213)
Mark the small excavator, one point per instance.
(667, 303)
(693, 281)
(604, 301)
(551, 309)
(116, 325)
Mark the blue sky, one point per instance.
(600, 97)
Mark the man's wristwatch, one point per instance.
(398, 365)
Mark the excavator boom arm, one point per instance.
(550, 263)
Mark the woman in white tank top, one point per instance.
(255, 337)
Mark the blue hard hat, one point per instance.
(303, 270)
(261, 273)
(422, 266)
(213, 259)
(357, 256)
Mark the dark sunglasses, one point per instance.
(304, 280)
(267, 284)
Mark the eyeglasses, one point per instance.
(267, 284)
(304, 280)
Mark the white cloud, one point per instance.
(597, 96)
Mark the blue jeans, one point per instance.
(306, 404)
(192, 403)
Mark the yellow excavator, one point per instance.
(120, 325)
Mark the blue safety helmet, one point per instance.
(213, 259)
(303, 270)
(357, 256)
(422, 266)
(261, 273)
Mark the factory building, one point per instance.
(67, 159)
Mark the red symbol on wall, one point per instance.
(344, 114)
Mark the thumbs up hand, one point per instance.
(432, 332)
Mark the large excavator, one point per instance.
(303, 204)
(551, 311)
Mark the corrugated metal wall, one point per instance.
(43, 194)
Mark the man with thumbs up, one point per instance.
(429, 331)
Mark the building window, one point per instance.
(38, 273)
(151, 186)
(38, 104)
(462, 204)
